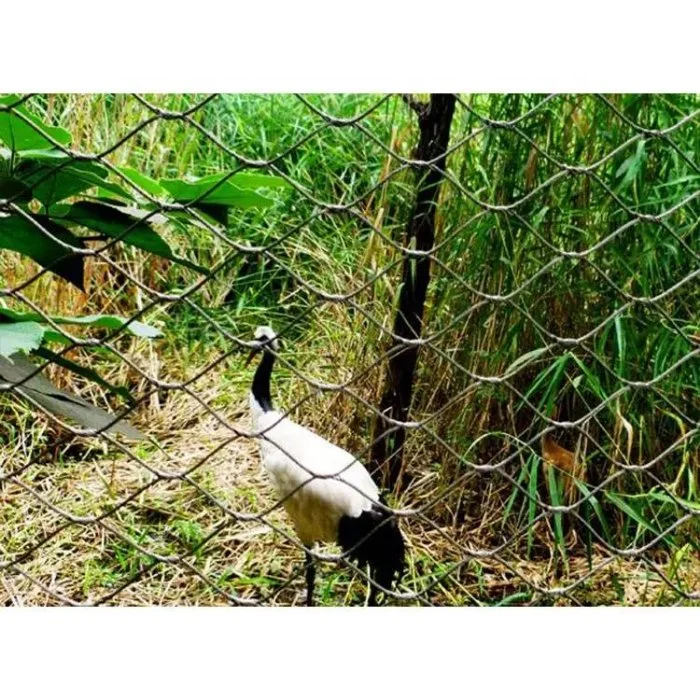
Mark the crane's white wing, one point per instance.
(320, 481)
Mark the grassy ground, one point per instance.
(191, 529)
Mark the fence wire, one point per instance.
(544, 447)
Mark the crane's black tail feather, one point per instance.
(374, 538)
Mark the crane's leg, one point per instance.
(372, 602)
(310, 578)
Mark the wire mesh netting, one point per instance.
(491, 301)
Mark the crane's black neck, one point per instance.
(261, 381)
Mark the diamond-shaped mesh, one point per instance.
(547, 449)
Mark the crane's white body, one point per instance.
(319, 481)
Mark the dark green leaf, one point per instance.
(532, 500)
(23, 236)
(54, 182)
(592, 501)
(38, 388)
(113, 222)
(555, 495)
(513, 598)
(13, 189)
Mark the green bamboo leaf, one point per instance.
(513, 495)
(621, 345)
(525, 359)
(617, 500)
(595, 504)
(555, 494)
(632, 166)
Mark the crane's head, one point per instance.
(265, 337)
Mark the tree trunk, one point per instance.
(435, 119)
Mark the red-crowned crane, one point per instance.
(328, 494)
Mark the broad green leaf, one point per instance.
(53, 336)
(113, 222)
(109, 220)
(137, 328)
(97, 321)
(56, 158)
(45, 155)
(15, 337)
(22, 236)
(38, 388)
(147, 184)
(19, 135)
(215, 189)
(54, 182)
(118, 199)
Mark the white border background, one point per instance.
(355, 46)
